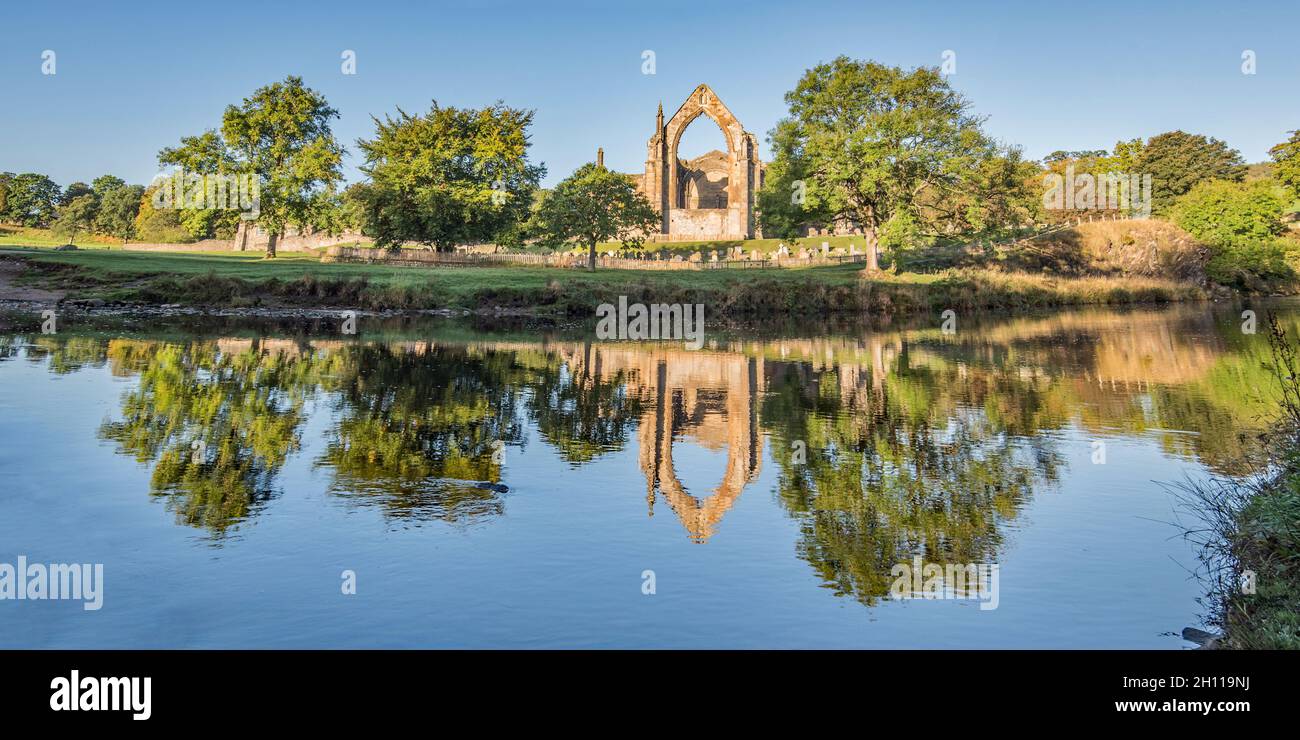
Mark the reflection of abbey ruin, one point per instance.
(713, 195)
(713, 398)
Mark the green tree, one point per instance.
(594, 205)
(76, 217)
(31, 199)
(870, 141)
(1177, 161)
(1127, 157)
(783, 207)
(1287, 171)
(204, 155)
(105, 183)
(280, 135)
(452, 176)
(74, 191)
(160, 225)
(118, 208)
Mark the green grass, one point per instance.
(1247, 527)
(243, 279)
(11, 235)
(1267, 540)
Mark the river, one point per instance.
(429, 483)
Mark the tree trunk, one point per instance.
(872, 250)
(591, 255)
(270, 245)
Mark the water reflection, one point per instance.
(883, 445)
(216, 422)
(419, 424)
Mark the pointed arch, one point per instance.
(667, 185)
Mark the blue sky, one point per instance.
(1047, 75)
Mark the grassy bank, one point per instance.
(1266, 537)
(1250, 529)
(247, 280)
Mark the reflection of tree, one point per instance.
(911, 467)
(582, 414)
(420, 426)
(215, 425)
(9, 346)
(917, 442)
(67, 354)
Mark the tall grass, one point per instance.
(1247, 530)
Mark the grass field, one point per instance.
(300, 279)
(24, 236)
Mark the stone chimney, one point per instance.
(600, 156)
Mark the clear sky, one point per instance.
(1047, 75)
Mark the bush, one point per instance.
(1242, 224)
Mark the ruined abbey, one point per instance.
(713, 196)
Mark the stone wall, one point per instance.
(735, 258)
(697, 224)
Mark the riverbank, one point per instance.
(1247, 526)
(244, 280)
(1263, 612)
(1268, 544)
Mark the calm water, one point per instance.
(511, 489)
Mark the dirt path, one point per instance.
(10, 290)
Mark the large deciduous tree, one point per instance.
(1177, 161)
(281, 136)
(449, 177)
(31, 199)
(877, 145)
(594, 205)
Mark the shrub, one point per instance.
(1242, 224)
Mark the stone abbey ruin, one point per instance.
(711, 197)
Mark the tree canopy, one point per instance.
(594, 205)
(281, 136)
(118, 208)
(449, 177)
(1177, 161)
(872, 144)
(30, 199)
(1242, 223)
(1287, 158)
